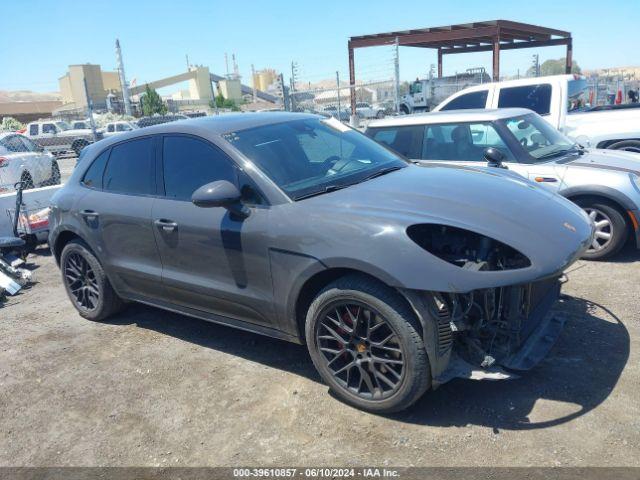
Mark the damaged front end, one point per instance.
(479, 334)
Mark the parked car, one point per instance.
(57, 136)
(332, 110)
(21, 160)
(397, 277)
(366, 110)
(159, 119)
(562, 100)
(606, 184)
(114, 128)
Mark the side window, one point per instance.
(467, 101)
(110, 127)
(14, 144)
(130, 168)
(33, 129)
(93, 175)
(462, 142)
(189, 163)
(48, 128)
(405, 140)
(533, 97)
(28, 144)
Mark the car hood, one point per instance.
(616, 160)
(550, 230)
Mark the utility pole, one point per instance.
(253, 80)
(396, 74)
(338, 84)
(123, 80)
(226, 63)
(90, 110)
(187, 57)
(536, 65)
(294, 71)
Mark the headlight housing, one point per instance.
(466, 249)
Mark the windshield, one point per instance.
(63, 125)
(312, 156)
(539, 139)
(577, 95)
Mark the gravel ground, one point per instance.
(151, 388)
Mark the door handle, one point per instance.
(89, 213)
(166, 225)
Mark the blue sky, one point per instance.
(38, 38)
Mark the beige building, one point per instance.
(99, 84)
(263, 79)
(230, 89)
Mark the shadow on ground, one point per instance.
(581, 371)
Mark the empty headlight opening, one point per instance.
(466, 249)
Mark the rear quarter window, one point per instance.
(93, 176)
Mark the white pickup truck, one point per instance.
(57, 136)
(562, 100)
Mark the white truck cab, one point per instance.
(562, 100)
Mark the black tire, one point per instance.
(100, 306)
(27, 181)
(628, 145)
(55, 174)
(391, 309)
(78, 145)
(404, 109)
(618, 229)
(380, 114)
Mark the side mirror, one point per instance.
(494, 157)
(220, 194)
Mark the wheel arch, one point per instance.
(618, 201)
(610, 143)
(319, 280)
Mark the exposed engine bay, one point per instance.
(488, 329)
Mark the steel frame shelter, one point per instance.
(493, 35)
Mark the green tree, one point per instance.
(152, 103)
(222, 102)
(10, 124)
(554, 67)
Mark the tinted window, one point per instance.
(404, 140)
(29, 145)
(48, 128)
(93, 176)
(13, 144)
(189, 163)
(33, 129)
(110, 127)
(467, 101)
(533, 97)
(463, 142)
(130, 168)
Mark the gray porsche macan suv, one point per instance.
(397, 277)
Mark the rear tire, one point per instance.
(373, 310)
(55, 174)
(27, 181)
(78, 145)
(86, 283)
(612, 229)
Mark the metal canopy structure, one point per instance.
(493, 35)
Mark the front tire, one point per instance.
(364, 341)
(55, 174)
(611, 229)
(86, 283)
